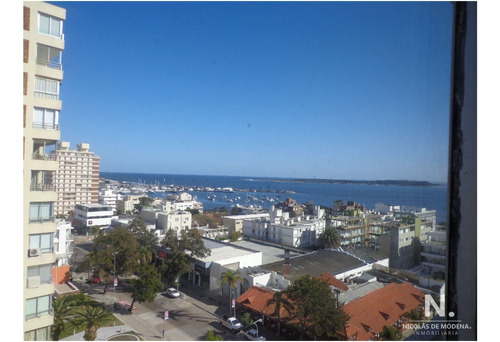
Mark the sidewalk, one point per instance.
(103, 334)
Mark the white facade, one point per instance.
(177, 221)
(300, 231)
(63, 243)
(127, 203)
(109, 198)
(90, 215)
(434, 253)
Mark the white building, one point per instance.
(175, 220)
(89, 215)
(433, 254)
(300, 231)
(206, 272)
(109, 197)
(63, 242)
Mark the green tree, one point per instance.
(246, 320)
(62, 313)
(329, 238)
(308, 208)
(117, 250)
(234, 236)
(319, 314)
(144, 201)
(280, 301)
(146, 285)
(181, 252)
(91, 318)
(146, 240)
(230, 278)
(390, 333)
(213, 336)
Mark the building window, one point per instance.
(41, 334)
(45, 118)
(46, 88)
(50, 25)
(42, 271)
(42, 241)
(36, 307)
(48, 56)
(41, 211)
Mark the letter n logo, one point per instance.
(430, 301)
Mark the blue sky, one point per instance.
(355, 90)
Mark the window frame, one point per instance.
(51, 20)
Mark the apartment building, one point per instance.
(77, 178)
(433, 254)
(43, 44)
(89, 215)
(402, 242)
(280, 228)
(127, 203)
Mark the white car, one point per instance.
(253, 335)
(173, 293)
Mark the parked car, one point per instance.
(171, 292)
(253, 335)
(231, 323)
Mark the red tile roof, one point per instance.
(331, 280)
(256, 298)
(385, 306)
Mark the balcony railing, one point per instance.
(40, 156)
(42, 219)
(49, 64)
(42, 125)
(43, 187)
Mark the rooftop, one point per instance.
(222, 251)
(270, 253)
(316, 263)
(367, 254)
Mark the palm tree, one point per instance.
(62, 311)
(330, 237)
(280, 301)
(91, 319)
(231, 278)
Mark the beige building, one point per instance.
(43, 43)
(77, 179)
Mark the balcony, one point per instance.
(43, 156)
(50, 64)
(47, 126)
(43, 187)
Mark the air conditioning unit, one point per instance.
(33, 282)
(35, 252)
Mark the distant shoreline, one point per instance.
(358, 182)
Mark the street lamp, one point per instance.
(114, 277)
(256, 326)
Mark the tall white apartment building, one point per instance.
(77, 178)
(43, 44)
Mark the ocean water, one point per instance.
(266, 192)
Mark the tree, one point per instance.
(280, 301)
(91, 318)
(230, 278)
(390, 333)
(117, 250)
(213, 336)
(181, 252)
(329, 238)
(146, 285)
(309, 208)
(144, 201)
(246, 320)
(146, 240)
(319, 314)
(62, 312)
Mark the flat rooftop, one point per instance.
(270, 254)
(316, 263)
(222, 251)
(365, 253)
